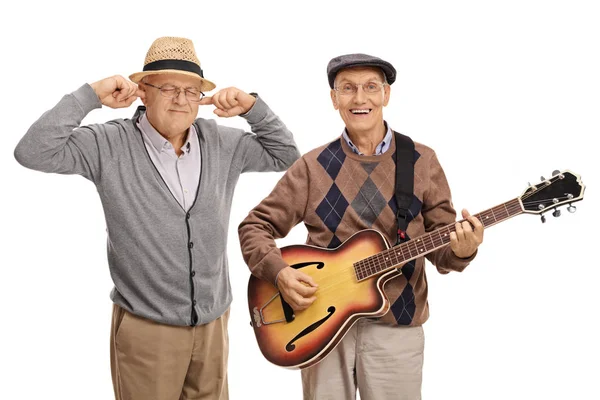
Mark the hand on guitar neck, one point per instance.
(297, 288)
(467, 237)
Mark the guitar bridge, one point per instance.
(279, 314)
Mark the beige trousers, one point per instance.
(381, 361)
(153, 361)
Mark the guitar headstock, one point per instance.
(563, 188)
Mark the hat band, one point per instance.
(174, 64)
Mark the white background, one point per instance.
(503, 91)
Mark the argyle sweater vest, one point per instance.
(337, 193)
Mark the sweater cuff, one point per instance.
(459, 264)
(270, 266)
(87, 98)
(257, 113)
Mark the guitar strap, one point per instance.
(405, 172)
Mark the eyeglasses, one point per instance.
(348, 89)
(171, 92)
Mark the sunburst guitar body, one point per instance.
(298, 339)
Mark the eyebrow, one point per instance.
(373, 78)
(184, 87)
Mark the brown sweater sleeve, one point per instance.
(438, 212)
(272, 219)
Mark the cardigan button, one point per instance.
(193, 273)
(190, 245)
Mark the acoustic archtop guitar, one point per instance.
(351, 278)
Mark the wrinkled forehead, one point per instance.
(173, 79)
(360, 74)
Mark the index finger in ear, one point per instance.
(131, 89)
(206, 101)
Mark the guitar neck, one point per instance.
(419, 246)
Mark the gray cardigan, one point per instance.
(167, 265)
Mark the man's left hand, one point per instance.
(230, 102)
(468, 236)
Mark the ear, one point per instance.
(386, 95)
(333, 94)
(142, 94)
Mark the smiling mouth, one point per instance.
(360, 111)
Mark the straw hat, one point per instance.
(173, 55)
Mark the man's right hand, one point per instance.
(116, 91)
(297, 288)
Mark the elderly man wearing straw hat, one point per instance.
(166, 181)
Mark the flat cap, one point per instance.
(359, 60)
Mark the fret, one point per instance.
(436, 238)
(394, 253)
(401, 253)
(485, 218)
(431, 246)
(412, 248)
(443, 235)
(388, 261)
(371, 266)
(493, 215)
(381, 261)
(500, 212)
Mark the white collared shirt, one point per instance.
(381, 148)
(180, 173)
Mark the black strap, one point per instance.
(405, 176)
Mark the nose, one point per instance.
(180, 98)
(360, 97)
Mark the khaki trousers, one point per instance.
(153, 361)
(381, 361)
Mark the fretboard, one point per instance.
(419, 246)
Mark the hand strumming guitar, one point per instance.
(297, 288)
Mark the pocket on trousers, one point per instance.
(121, 318)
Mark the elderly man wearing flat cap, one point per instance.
(370, 177)
(166, 181)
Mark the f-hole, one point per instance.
(291, 346)
(319, 264)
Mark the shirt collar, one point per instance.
(379, 150)
(158, 141)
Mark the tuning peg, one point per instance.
(556, 212)
(555, 172)
(542, 178)
(571, 208)
(543, 219)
